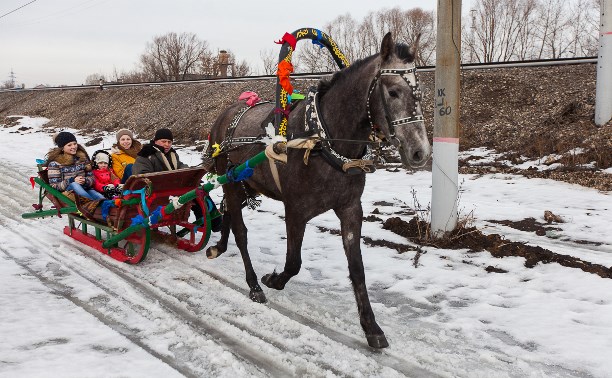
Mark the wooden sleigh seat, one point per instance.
(157, 188)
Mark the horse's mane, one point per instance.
(402, 51)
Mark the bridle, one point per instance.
(405, 74)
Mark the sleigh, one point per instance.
(142, 202)
(151, 206)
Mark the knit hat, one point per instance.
(63, 138)
(102, 158)
(163, 134)
(123, 132)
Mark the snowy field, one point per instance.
(66, 310)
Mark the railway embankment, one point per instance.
(522, 113)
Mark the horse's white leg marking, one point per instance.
(347, 240)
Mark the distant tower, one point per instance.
(12, 78)
(223, 63)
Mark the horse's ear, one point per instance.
(415, 46)
(387, 46)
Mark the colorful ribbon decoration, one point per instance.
(288, 38)
(216, 150)
(157, 215)
(317, 42)
(285, 112)
(251, 98)
(285, 68)
(106, 206)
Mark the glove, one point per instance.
(109, 187)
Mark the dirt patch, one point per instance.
(529, 225)
(400, 248)
(474, 240)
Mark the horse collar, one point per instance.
(315, 125)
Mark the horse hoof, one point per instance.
(267, 279)
(377, 341)
(212, 252)
(257, 296)
(271, 281)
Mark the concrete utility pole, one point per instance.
(603, 90)
(445, 171)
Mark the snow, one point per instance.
(69, 311)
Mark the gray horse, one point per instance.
(379, 93)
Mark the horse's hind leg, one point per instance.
(350, 220)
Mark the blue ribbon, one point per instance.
(317, 42)
(142, 198)
(139, 219)
(106, 206)
(245, 174)
(156, 215)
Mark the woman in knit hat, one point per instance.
(124, 154)
(69, 167)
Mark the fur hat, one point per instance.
(123, 132)
(63, 138)
(102, 158)
(163, 134)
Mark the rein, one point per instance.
(315, 126)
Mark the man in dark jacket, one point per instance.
(159, 156)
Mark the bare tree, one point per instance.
(7, 84)
(172, 56)
(314, 58)
(94, 79)
(584, 28)
(554, 19)
(269, 60)
(241, 68)
(420, 22)
(208, 64)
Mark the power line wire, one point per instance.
(15, 10)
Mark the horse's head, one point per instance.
(394, 102)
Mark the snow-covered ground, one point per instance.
(68, 311)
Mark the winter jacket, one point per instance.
(152, 159)
(122, 157)
(104, 177)
(62, 168)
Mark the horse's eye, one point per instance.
(393, 94)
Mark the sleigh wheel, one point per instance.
(194, 236)
(136, 246)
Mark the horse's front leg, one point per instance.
(295, 235)
(221, 246)
(350, 221)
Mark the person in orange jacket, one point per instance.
(124, 154)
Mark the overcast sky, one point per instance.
(63, 41)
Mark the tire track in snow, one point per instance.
(65, 292)
(156, 303)
(383, 357)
